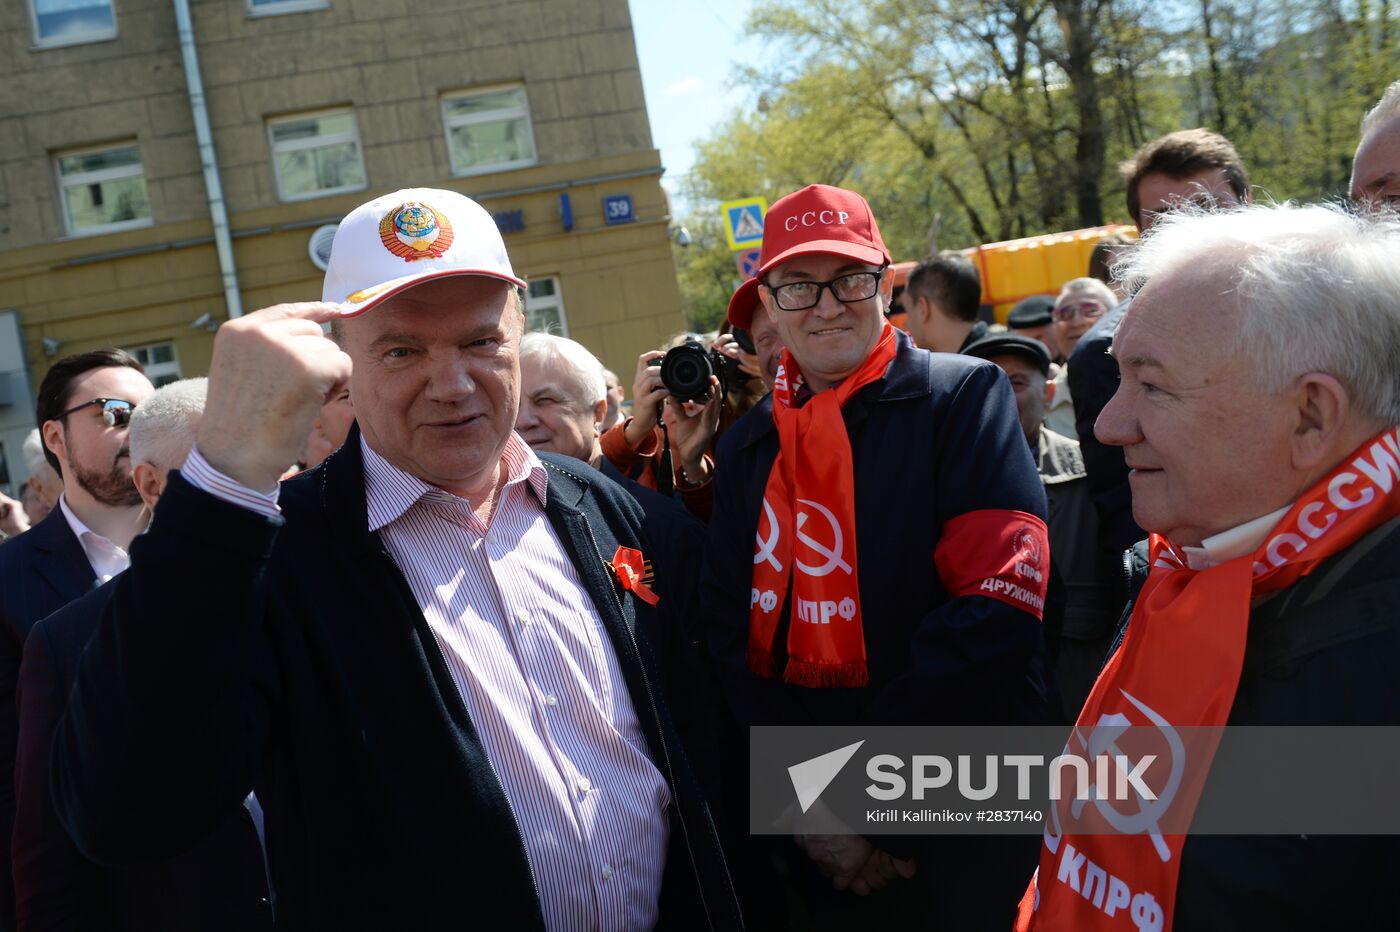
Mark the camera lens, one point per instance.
(685, 371)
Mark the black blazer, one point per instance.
(289, 655)
(220, 884)
(41, 571)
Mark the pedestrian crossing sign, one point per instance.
(743, 222)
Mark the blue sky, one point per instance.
(686, 52)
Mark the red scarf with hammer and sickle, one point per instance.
(811, 496)
(1179, 665)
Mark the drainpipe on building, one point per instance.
(223, 241)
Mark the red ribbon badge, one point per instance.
(630, 565)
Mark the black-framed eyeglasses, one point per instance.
(115, 411)
(848, 289)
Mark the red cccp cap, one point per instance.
(824, 220)
(818, 220)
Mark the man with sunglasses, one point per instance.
(85, 403)
(919, 457)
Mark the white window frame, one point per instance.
(555, 301)
(41, 43)
(494, 116)
(279, 7)
(157, 370)
(82, 179)
(316, 142)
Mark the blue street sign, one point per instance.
(743, 222)
(747, 262)
(618, 209)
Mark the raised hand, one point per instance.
(272, 370)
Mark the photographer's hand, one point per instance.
(647, 394)
(748, 362)
(692, 429)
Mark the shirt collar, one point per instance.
(1236, 542)
(389, 491)
(80, 530)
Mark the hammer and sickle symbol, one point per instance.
(765, 550)
(1102, 740)
(833, 556)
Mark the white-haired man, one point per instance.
(219, 884)
(428, 655)
(1375, 171)
(1079, 306)
(1257, 412)
(44, 483)
(563, 402)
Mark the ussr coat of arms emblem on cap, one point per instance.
(415, 231)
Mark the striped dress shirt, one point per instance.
(530, 658)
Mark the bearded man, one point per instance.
(85, 404)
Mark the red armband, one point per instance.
(1000, 554)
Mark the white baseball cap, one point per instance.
(398, 240)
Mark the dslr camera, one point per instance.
(686, 371)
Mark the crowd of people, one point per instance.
(402, 619)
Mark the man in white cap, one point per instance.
(427, 655)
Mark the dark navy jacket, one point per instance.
(41, 571)
(218, 886)
(1321, 652)
(1093, 379)
(289, 656)
(937, 437)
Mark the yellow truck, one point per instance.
(1020, 268)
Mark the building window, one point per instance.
(316, 154)
(544, 308)
(103, 190)
(488, 130)
(274, 7)
(162, 365)
(69, 22)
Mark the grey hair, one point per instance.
(572, 355)
(1089, 288)
(1318, 288)
(34, 460)
(163, 426)
(1386, 109)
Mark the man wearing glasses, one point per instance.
(85, 403)
(920, 458)
(1080, 305)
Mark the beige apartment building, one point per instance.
(109, 234)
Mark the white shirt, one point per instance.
(1236, 542)
(105, 557)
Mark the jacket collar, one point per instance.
(65, 566)
(909, 376)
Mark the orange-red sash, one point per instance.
(811, 495)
